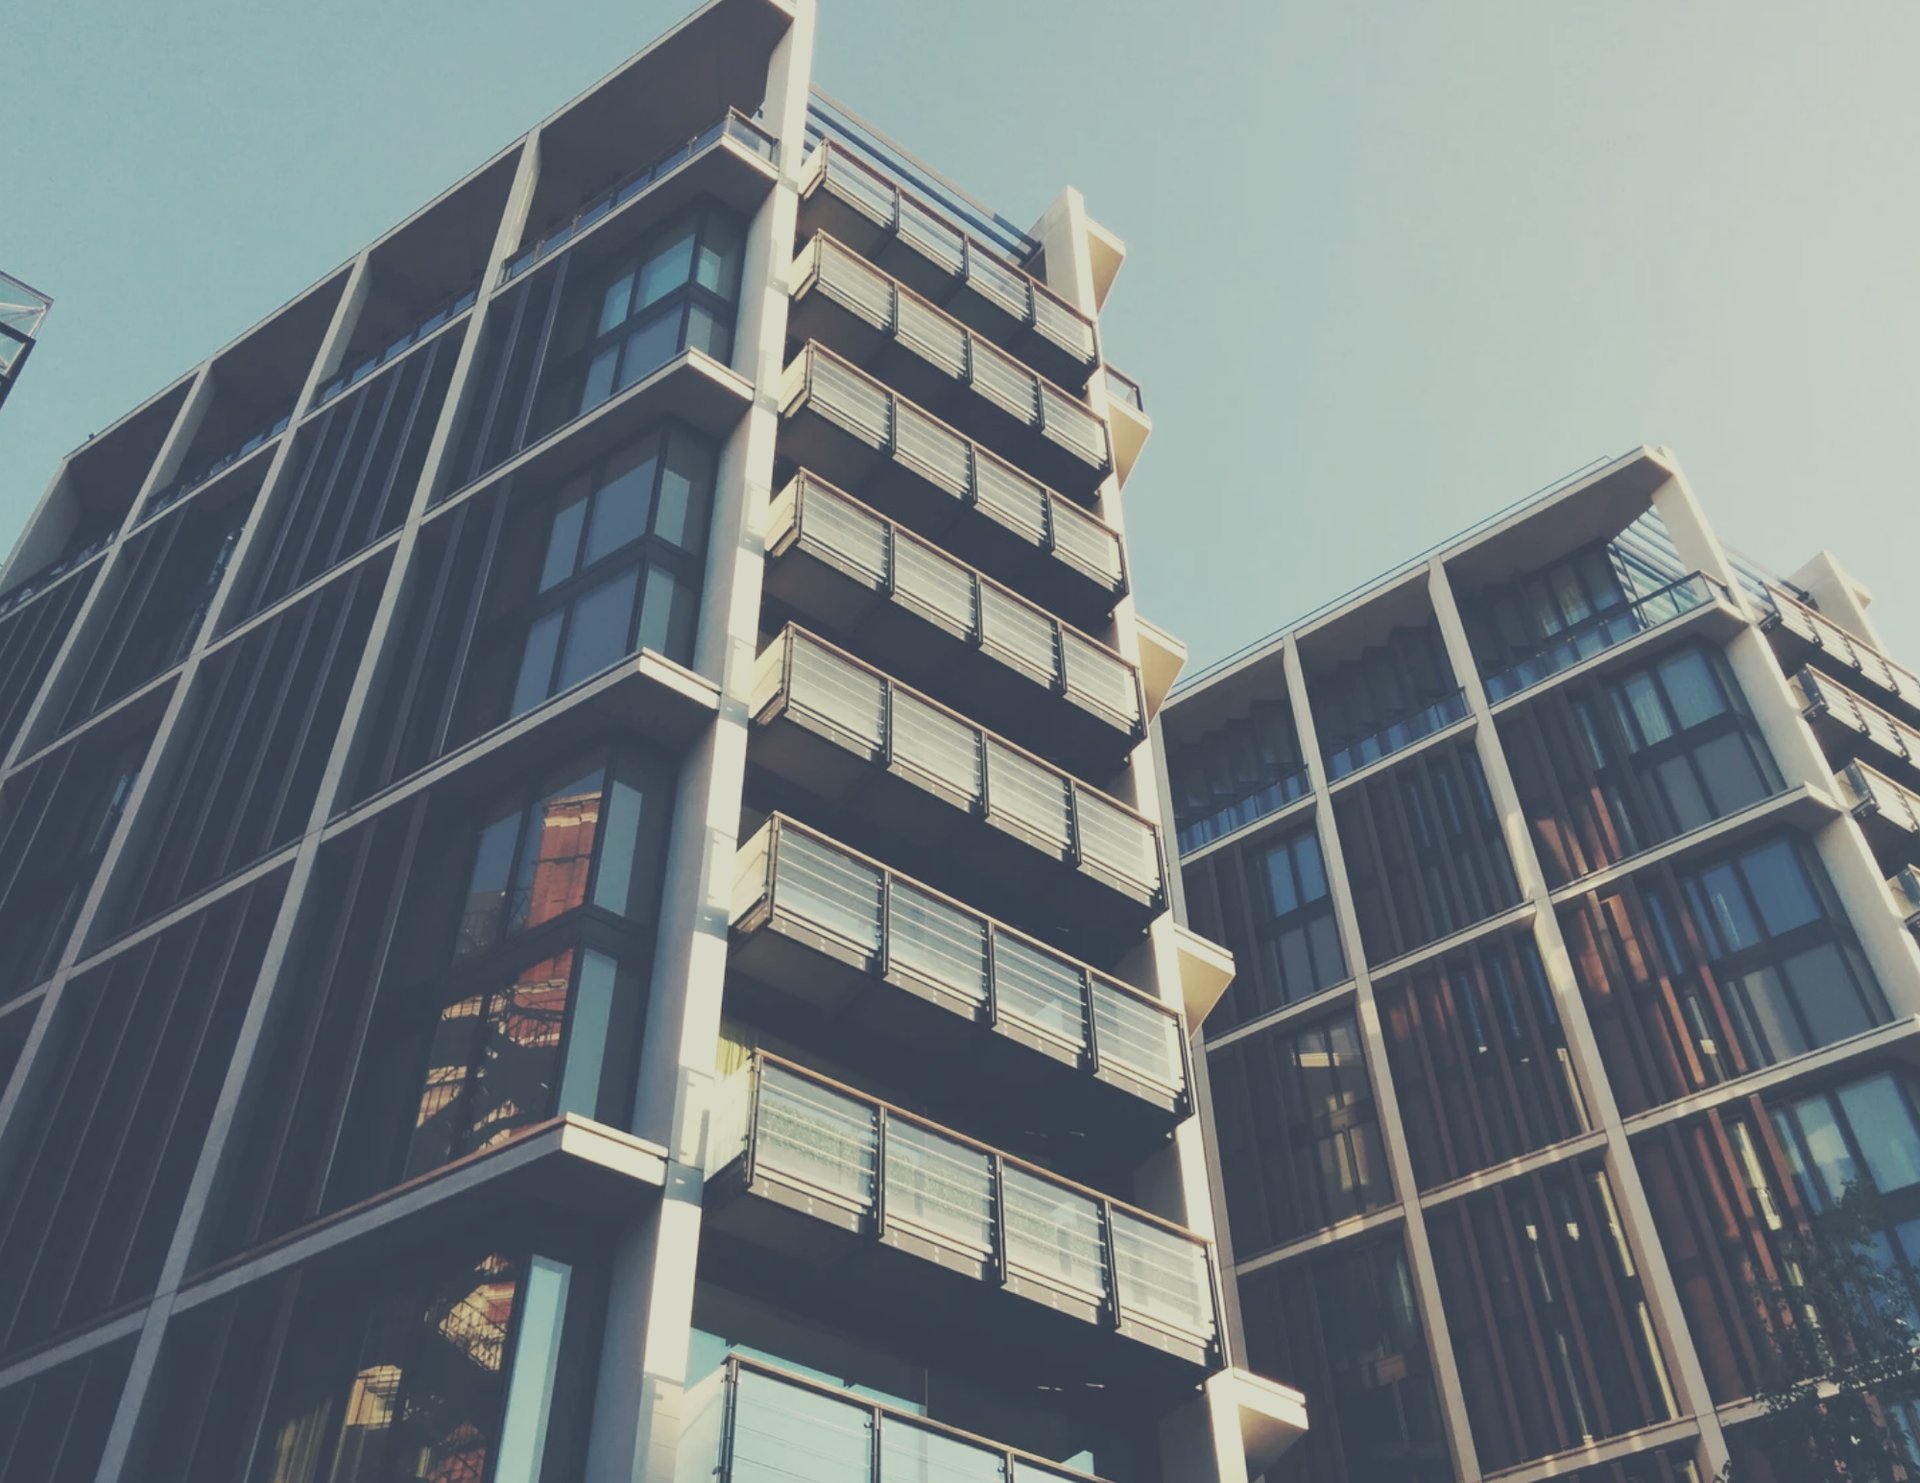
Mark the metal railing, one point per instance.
(1869, 792)
(1904, 883)
(1018, 294)
(917, 574)
(1024, 1226)
(756, 1423)
(1397, 737)
(35, 582)
(439, 316)
(1814, 627)
(869, 712)
(1821, 695)
(1243, 811)
(185, 485)
(1124, 389)
(734, 125)
(1604, 631)
(982, 967)
(952, 348)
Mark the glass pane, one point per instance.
(1780, 887)
(1883, 1127)
(536, 1363)
(662, 628)
(1281, 895)
(621, 839)
(563, 540)
(785, 1434)
(650, 347)
(807, 1131)
(536, 663)
(1826, 1146)
(1162, 1275)
(597, 636)
(1640, 708)
(1728, 913)
(1054, 1233)
(557, 852)
(624, 500)
(684, 489)
(1691, 688)
(587, 1036)
(707, 332)
(828, 888)
(599, 382)
(938, 941)
(666, 270)
(943, 1187)
(1038, 988)
(719, 267)
(613, 308)
(1825, 990)
(912, 1454)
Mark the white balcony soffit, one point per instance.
(1206, 969)
(1162, 657)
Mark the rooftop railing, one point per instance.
(41, 580)
(735, 125)
(1397, 737)
(1243, 811)
(974, 608)
(1019, 295)
(1821, 695)
(185, 485)
(441, 315)
(760, 1423)
(866, 711)
(1815, 628)
(1123, 389)
(975, 965)
(996, 1217)
(1869, 792)
(1602, 632)
(949, 346)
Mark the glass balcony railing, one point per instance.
(968, 963)
(1821, 695)
(1018, 295)
(1243, 811)
(1904, 884)
(22, 593)
(976, 610)
(1603, 632)
(756, 1423)
(442, 315)
(1397, 737)
(865, 711)
(735, 126)
(968, 1207)
(205, 473)
(950, 347)
(1833, 643)
(1124, 390)
(1870, 792)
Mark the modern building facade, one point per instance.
(22, 311)
(1569, 869)
(582, 895)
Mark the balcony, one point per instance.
(841, 299)
(1826, 700)
(972, 804)
(715, 155)
(940, 623)
(1805, 633)
(22, 592)
(861, 1206)
(429, 324)
(1243, 811)
(206, 473)
(1127, 415)
(753, 1422)
(1904, 885)
(1605, 631)
(1381, 744)
(909, 239)
(1888, 812)
(974, 1002)
(914, 467)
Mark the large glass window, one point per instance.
(1694, 758)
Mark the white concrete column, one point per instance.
(1686, 1375)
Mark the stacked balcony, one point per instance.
(1851, 721)
(868, 211)
(842, 300)
(1807, 634)
(824, 1189)
(903, 969)
(899, 764)
(935, 620)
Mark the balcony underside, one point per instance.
(928, 828)
(932, 655)
(951, 1050)
(821, 210)
(808, 1251)
(815, 315)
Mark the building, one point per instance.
(22, 309)
(1568, 868)
(581, 894)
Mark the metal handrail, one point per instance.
(182, 487)
(758, 879)
(1123, 388)
(1823, 695)
(1816, 628)
(1396, 736)
(37, 582)
(442, 314)
(733, 124)
(1601, 632)
(1242, 811)
(1869, 791)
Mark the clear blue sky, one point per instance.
(1391, 265)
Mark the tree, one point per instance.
(1843, 1351)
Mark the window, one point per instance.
(1298, 949)
(1693, 755)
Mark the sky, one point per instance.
(1390, 266)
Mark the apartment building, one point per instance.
(581, 892)
(1569, 869)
